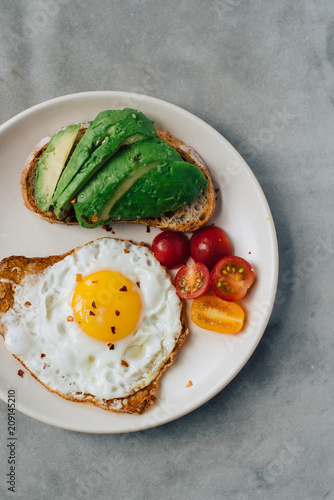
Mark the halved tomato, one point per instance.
(215, 314)
(192, 281)
(231, 277)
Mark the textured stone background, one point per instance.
(261, 73)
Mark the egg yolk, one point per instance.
(106, 305)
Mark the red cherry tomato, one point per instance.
(171, 249)
(192, 281)
(209, 244)
(231, 277)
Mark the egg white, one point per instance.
(69, 361)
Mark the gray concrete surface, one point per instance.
(240, 65)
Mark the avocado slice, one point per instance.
(97, 198)
(161, 190)
(106, 134)
(52, 163)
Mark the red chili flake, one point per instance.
(148, 229)
(73, 201)
(123, 289)
(111, 346)
(117, 313)
(93, 304)
(95, 218)
(108, 228)
(78, 278)
(27, 303)
(20, 373)
(124, 363)
(126, 250)
(138, 284)
(44, 366)
(85, 218)
(113, 329)
(91, 313)
(95, 281)
(43, 355)
(70, 319)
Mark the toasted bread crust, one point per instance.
(13, 270)
(189, 217)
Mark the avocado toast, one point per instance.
(119, 169)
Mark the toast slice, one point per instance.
(189, 217)
(14, 270)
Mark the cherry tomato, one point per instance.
(192, 281)
(209, 244)
(171, 249)
(215, 314)
(231, 277)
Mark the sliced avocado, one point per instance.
(106, 134)
(97, 198)
(95, 134)
(52, 163)
(160, 190)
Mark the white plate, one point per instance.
(210, 360)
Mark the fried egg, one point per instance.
(101, 322)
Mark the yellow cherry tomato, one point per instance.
(218, 315)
